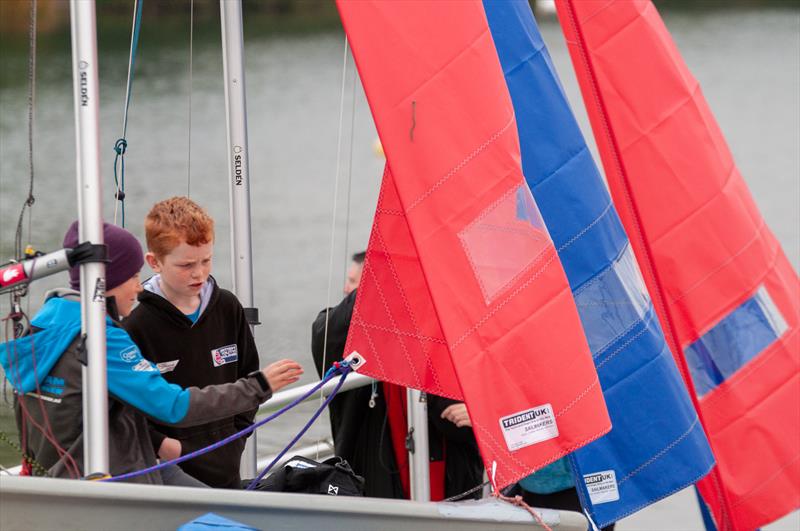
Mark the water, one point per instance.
(748, 63)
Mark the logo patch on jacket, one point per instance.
(223, 355)
(143, 366)
(167, 366)
(130, 354)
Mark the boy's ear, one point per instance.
(153, 262)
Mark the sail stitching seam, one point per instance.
(638, 321)
(505, 301)
(502, 452)
(356, 311)
(397, 331)
(389, 313)
(662, 453)
(603, 8)
(700, 207)
(725, 264)
(458, 167)
(586, 229)
(385, 378)
(371, 344)
(407, 306)
(677, 108)
(775, 475)
(628, 343)
(579, 397)
(600, 45)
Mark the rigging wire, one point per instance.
(333, 216)
(350, 175)
(30, 200)
(191, 79)
(27, 205)
(121, 145)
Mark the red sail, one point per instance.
(725, 293)
(462, 293)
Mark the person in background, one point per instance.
(354, 272)
(362, 420)
(45, 370)
(195, 332)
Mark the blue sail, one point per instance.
(657, 445)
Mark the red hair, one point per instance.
(174, 220)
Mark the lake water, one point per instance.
(748, 63)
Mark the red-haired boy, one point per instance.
(195, 332)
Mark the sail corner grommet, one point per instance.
(355, 360)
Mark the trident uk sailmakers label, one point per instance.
(602, 486)
(528, 427)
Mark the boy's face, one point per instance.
(184, 270)
(125, 295)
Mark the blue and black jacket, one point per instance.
(44, 368)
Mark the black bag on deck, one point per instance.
(333, 477)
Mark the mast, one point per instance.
(238, 176)
(418, 454)
(90, 214)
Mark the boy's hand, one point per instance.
(282, 373)
(170, 449)
(457, 414)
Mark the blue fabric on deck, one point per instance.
(214, 522)
(656, 445)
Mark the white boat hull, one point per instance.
(43, 503)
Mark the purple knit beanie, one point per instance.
(124, 253)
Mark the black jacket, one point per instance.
(361, 434)
(218, 348)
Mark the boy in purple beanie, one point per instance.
(45, 370)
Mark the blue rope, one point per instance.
(122, 144)
(345, 369)
(120, 147)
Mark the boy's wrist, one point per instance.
(261, 379)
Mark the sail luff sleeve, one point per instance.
(727, 294)
(507, 317)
